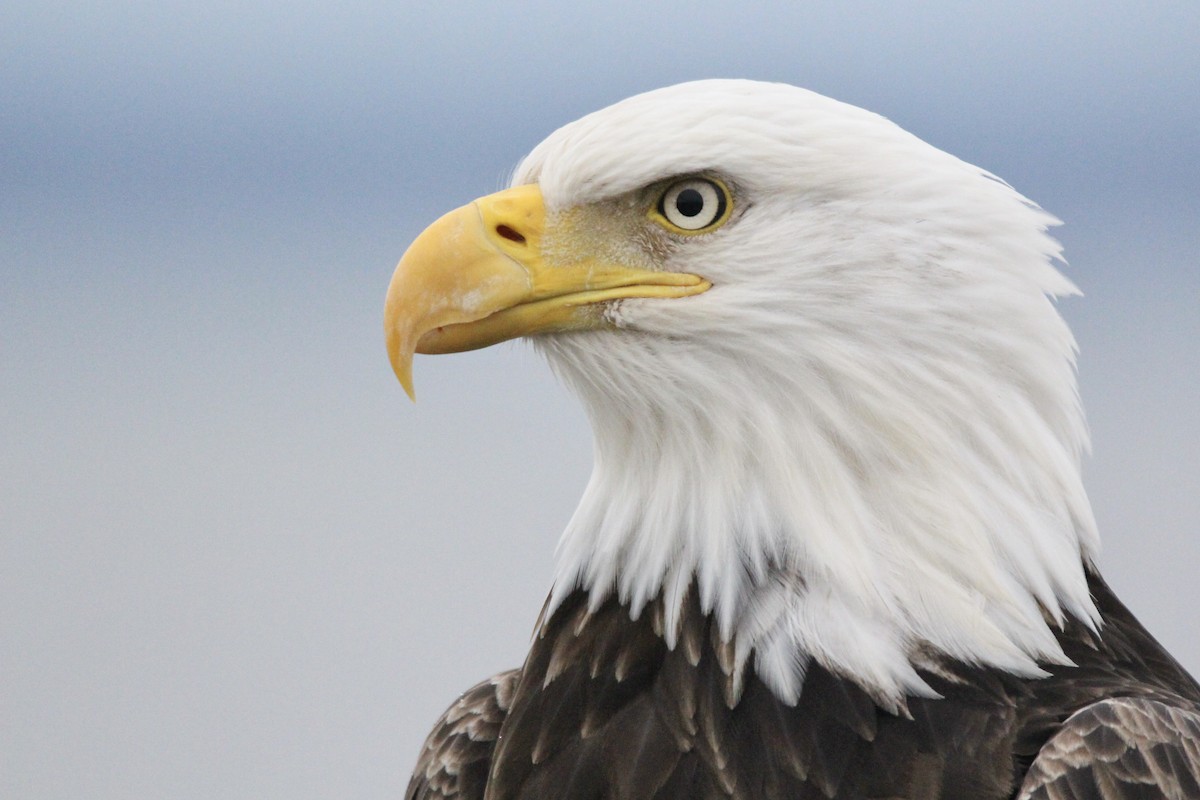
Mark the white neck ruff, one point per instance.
(826, 516)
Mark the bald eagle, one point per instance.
(836, 543)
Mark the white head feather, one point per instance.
(863, 443)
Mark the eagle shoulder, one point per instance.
(457, 756)
(1124, 747)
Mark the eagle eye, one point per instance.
(693, 205)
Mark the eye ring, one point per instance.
(693, 205)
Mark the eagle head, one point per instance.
(828, 385)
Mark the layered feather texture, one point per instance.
(602, 708)
(863, 443)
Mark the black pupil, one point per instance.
(689, 202)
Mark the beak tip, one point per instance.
(401, 356)
(403, 370)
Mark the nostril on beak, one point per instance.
(510, 234)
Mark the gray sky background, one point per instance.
(235, 562)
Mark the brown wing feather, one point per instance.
(457, 756)
(604, 710)
(1118, 749)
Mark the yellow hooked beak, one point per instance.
(479, 276)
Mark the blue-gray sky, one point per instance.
(236, 562)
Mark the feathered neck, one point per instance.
(863, 512)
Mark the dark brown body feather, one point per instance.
(603, 709)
